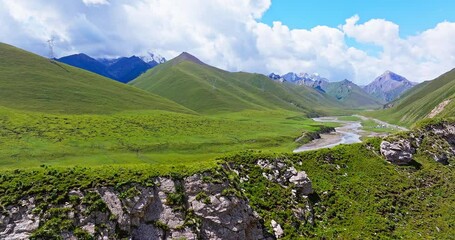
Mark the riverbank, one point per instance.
(350, 132)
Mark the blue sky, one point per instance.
(339, 39)
(413, 16)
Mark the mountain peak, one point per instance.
(184, 56)
(153, 59)
(389, 75)
(388, 86)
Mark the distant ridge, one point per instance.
(345, 92)
(123, 69)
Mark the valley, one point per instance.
(145, 148)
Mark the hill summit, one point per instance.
(184, 56)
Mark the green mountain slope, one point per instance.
(33, 83)
(351, 95)
(205, 89)
(420, 101)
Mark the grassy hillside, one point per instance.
(358, 195)
(350, 95)
(206, 89)
(30, 82)
(418, 102)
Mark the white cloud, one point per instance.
(376, 31)
(227, 34)
(95, 2)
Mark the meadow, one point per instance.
(160, 138)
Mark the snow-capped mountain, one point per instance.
(274, 76)
(300, 79)
(388, 86)
(344, 91)
(153, 58)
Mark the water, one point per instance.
(348, 133)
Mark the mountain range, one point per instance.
(122, 69)
(187, 84)
(348, 94)
(345, 92)
(385, 88)
(206, 89)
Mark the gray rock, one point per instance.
(147, 215)
(20, 223)
(398, 152)
(226, 217)
(115, 206)
(277, 229)
(302, 183)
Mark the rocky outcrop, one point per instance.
(196, 207)
(222, 214)
(208, 205)
(438, 109)
(277, 183)
(435, 139)
(16, 222)
(278, 171)
(397, 152)
(302, 183)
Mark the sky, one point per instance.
(350, 39)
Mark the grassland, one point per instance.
(30, 82)
(358, 195)
(145, 137)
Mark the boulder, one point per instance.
(398, 152)
(277, 229)
(302, 183)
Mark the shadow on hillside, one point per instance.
(59, 65)
(415, 164)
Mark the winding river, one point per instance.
(349, 132)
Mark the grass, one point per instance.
(33, 83)
(358, 195)
(146, 137)
(209, 90)
(418, 102)
(372, 126)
